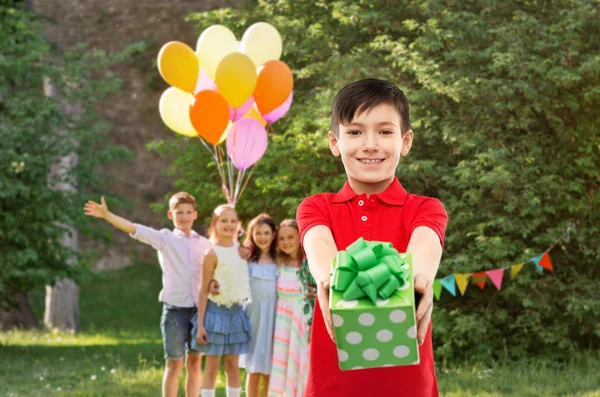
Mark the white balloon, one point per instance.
(174, 109)
(262, 43)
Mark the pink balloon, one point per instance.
(204, 82)
(236, 114)
(280, 111)
(246, 142)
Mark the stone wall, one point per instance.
(133, 113)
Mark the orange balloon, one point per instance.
(273, 86)
(209, 114)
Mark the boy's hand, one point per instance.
(244, 252)
(424, 288)
(201, 336)
(94, 209)
(323, 296)
(213, 287)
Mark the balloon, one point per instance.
(262, 43)
(178, 65)
(174, 107)
(226, 133)
(204, 82)
(236, 78)
(236, 114)
(209, 115)
(253, 113)
(273, 86)
(280, 111)
(213, 44)
(246, 143)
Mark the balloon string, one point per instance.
(246, 182)
(218, 162)
(230, 174)
(222, 174)
(240, 175)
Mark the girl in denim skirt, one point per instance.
(222, 327)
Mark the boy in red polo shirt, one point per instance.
(370, 130)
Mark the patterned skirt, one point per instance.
(290, 347)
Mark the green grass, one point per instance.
(119, 353)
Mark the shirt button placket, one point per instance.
(365, 224)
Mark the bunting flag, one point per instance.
(515, 269)
(479, 278)
(437, 288)
(496, 276)
(545, 262)
(462, 280)
(537, 260)
(448, 283)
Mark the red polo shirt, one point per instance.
(390, 216)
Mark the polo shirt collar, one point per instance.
(395, 194)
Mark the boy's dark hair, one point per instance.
(364, 95)
(262, 219)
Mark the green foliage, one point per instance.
(36, 133)
(505, 106)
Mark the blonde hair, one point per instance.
(212, 233)
(181, 198)
(282, 257)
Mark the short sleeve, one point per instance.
(432, 214)
(312, 212)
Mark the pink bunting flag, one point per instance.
(496, 277)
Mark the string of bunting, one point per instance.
(461, 280)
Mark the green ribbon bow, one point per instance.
(368, 268)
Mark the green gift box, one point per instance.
(372, 304)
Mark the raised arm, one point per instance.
(208, 269)
(101, 211)
(320, 250)
(426, 250)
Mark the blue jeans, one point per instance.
(176, 327)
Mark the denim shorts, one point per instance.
(176, 326)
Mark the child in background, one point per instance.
(181, 253)
(260, 237)
(290, 349)
(222, 327)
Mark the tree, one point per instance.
(504, 105)
(36, 134)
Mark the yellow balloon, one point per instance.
(253, 113)
(262, 43)
(178, 65)
(174, 109)
(236, 78)
(213, 44)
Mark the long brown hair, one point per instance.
(262, 219)
(282, 257)
(212, 233)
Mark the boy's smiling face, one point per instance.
(183, 216)
(370, 147)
